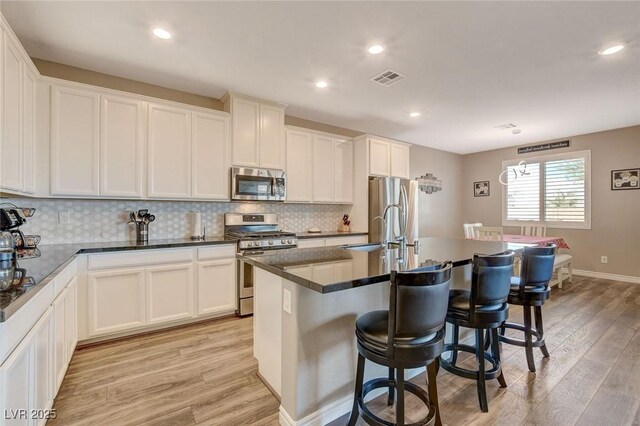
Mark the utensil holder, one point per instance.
(142, 232)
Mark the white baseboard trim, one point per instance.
(606, 276)
(336, 409)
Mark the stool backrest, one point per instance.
(537, 266)
(491, 280)
(533, 229)
(418, 301)
(489, 233)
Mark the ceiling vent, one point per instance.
(506, 126)
(388, 78)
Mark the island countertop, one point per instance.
(362, 265)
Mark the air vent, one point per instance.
(506, 126)
(388, 78)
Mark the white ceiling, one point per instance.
(469, 66)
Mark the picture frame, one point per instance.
(624, 179)
(481, 188)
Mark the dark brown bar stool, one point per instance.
(483, 308)
(409, 335)
(530, 290)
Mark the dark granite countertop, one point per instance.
(368, 267)
(325, 234)
(55, 256)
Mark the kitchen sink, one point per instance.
(364, 247)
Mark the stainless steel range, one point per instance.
(256, 233)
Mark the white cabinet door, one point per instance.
(210, 154)
(71, 311)
(379, 158)
(122, 139)
(343, 271)
(28, 132)
(16, 378)
(344, 171)
(169, 293)
(75, 145)
(245, 118)
(43, 363)
(116, 301)
(59, 339)
(11, 152)
(299, 166)
(323, 169)
(272, 145)
(322, 273)
(169, 146)
(216, 286)
(400, 161)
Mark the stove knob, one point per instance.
(270, 242)
(258, 243)
(283, 241)
(290, 241)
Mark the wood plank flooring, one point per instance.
(205, 374)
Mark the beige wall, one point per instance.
(80, 75)
(440, 213)
(615, 215)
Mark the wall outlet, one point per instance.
(604, 259)
(286, 301)
(64, 218)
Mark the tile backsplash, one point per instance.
(106, 220)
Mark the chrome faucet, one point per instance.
(402, 238)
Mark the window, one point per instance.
(552, 189)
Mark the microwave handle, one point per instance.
(273, 186)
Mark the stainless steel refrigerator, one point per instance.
(385, 191)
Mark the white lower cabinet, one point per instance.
(71, 317)
(215, 294)
(59, 339)
(116, 301)
(43, 390)
(169, 294)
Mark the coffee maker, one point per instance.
(24, 246)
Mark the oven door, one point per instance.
(257, 184)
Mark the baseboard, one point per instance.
(606, 276)
(334, 410)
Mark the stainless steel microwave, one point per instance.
(249, 184)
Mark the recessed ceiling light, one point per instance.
(612, 49)
(375, 49)
(321, 84)
(414, 114)
(162, 33)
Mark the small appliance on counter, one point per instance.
(258, 234)
(11, 219)
(141, 220)
(198, 233)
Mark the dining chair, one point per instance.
(469, 233)
(489, 233)
(533, 230)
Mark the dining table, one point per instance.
(537, 240)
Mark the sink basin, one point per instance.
(364, 247)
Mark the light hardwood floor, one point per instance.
(206, 374)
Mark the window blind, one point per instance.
(564, 190)
(523, 192)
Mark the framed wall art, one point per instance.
(625, 179)
(481, 189)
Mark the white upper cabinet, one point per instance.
(400, 161)
(387, 158)
(29, 130)
(343, 171)
(272, 144)
(210, 156)
(122, 142)
(323, 169)
(257, 132)
(11, 147)
(75, 144)
(299, 166)
(379, 158)
(169, 145)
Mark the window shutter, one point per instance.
(564, 190)
(523, 192)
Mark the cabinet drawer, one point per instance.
(340, 241)
(313, 242)
(217, 252)
(139, 258)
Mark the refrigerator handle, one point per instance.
(404, 204)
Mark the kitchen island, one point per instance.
(306, 302)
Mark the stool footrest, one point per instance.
(519, 342)
(491, 374)
(371, 418)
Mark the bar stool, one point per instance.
(483, 308)
(530, 290)
(409, 335)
